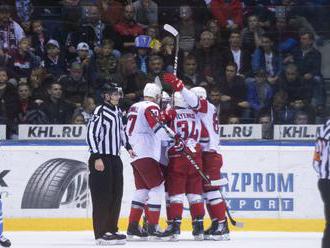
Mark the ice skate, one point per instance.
(136, 233)
(220, 230)
(111, 239)
(172, 231)
(4, 242)
(198, 229)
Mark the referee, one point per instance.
(321, 164)
(105, 136)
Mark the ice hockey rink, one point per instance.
(238, 240)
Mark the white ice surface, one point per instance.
(238, 240)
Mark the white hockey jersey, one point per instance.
(188, 126)
(144, 133)
(207, 113)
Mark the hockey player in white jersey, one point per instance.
(145, 136)
(182, 178)
(212, 159)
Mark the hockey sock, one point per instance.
(176, 210)
(218, 211)
(168, 203)
(136, 211)
(152, 213)
(209, 210)
(197, 210)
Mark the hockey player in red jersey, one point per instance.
(182, 178)
(212, 159)
(145, 136)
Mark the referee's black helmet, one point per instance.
(110, 88)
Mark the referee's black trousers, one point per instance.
(106, 190)
(324, 187)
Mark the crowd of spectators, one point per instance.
(257, 59)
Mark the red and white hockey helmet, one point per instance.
(199, 91)
(179, 101)
(152, 90)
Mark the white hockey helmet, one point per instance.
(166, 100)
(152, 90)
(179, 101)
(199, 91)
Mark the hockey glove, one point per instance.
(168, 115)
(175, 83)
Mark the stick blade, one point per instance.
(171, 29)
(219, 182)
(239, 224)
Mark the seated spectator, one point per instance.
(220, 38)
(142, 45)
(282, 112)
(188, 29)
(87, 59)
(234, 94)
(251, 35)
(133, 80)
(294, 85)
(24, 12)
(265, 120)
(37, 82)
(299, 105)
(145, 12)
(308, 60)
(24, 60)
(106, 66)
(39, 38)
(9, 106)
(215, 99)
(111, 11)
(261, 9)
(266, 58)
(155, 43)
(10, 32)
(285, 37)
(301, 118)
(260, 93)
(54, 61)
(236, 54)
(155, 66)
(26, 103)
(233, 119)
(58, 110)
(91, 27)
(190, 75)
(210, 60)
(128, 28)
(75, 86)
(229, 13)
(167, 51)
(6, 61)
(87, 108)
(78, 119)
(307, 57)
(91, 30)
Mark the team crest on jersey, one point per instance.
(154, 111)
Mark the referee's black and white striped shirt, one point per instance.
(321, 160)
(105, 132)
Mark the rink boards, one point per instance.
(271, 186)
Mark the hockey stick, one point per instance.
(171, 134)
(219, 182)
(232, 220)
(175, 33)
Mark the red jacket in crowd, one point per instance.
(224, 10)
